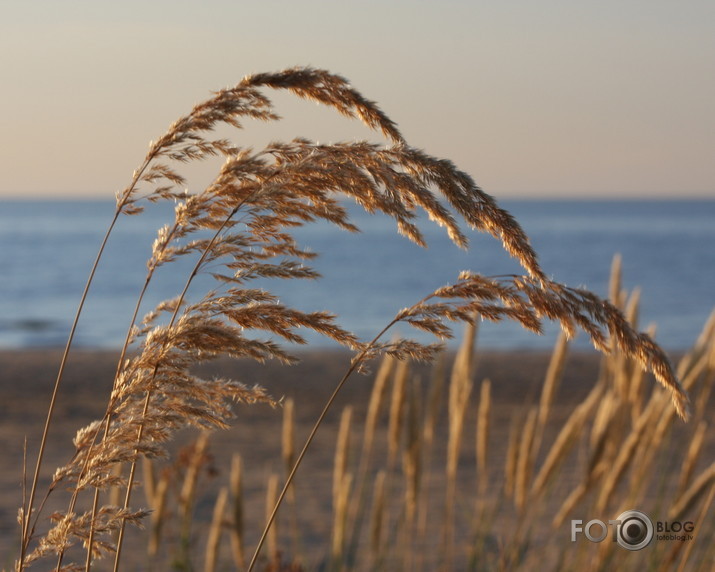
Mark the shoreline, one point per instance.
(92, 369)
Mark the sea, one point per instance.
(667, 248)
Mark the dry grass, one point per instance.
(238, 229)
(425, 513)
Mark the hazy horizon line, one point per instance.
(593, 196)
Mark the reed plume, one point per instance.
(239, 229)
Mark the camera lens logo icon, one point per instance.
(634, 531)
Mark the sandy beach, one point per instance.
(26, 378)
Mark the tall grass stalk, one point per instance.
(28, 530)
(236, 530)
(214, 540)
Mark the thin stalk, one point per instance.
(24, 485)
(353, 366)
(361, 486)
(107, 416)
(63, 362)
(698, 526)
(140, 433)
(26, 532)
(311, 436)
(106, 421)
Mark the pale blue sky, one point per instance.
(549, 97)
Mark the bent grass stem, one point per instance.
(26, 532)
(353, 366)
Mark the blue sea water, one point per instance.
(668, 250)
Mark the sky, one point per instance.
(543, 98)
